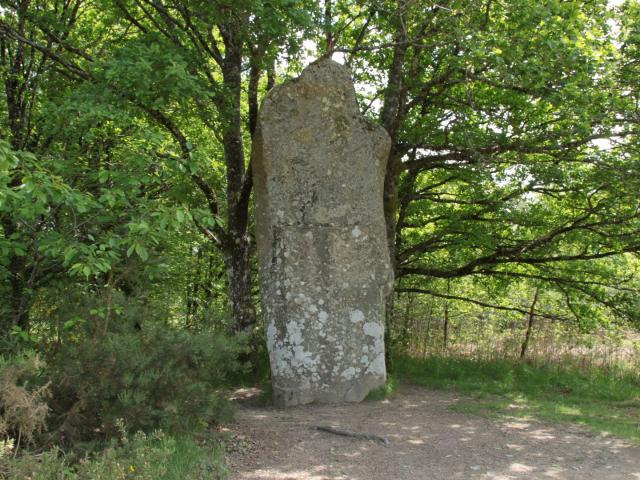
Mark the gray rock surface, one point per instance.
(324, 266)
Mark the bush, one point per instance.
(151, 379)
(23, 406)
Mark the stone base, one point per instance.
(352, 391)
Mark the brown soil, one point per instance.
(427, 440)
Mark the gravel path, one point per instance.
(427, 440)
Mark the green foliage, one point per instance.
(151, 457)
(154, 456)
(154, 378)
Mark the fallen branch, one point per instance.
(348, 433)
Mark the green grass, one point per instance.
(604, 400)
(385, 391)
(190, 460)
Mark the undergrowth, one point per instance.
(154, 456)
(127, 405)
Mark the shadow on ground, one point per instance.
(427, 440)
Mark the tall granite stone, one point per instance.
(324, 264)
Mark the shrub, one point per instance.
(23, 405)
(154, 378)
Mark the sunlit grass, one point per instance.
(603, 400)
(189, 459)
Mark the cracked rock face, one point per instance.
(324, 266)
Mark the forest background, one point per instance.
(127, 261)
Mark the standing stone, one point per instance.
(324, 264)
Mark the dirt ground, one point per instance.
(427, 440)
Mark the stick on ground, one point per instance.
(349, 433)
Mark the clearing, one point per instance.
(429, 438)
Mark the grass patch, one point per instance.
(155, 456)
(190, 460)
(604, 400)
(383, 392)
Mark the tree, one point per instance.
(178, 62)
(514, 140)
(495, 115)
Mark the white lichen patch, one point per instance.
(294, 332)
(301, 357)
(377, 365)
(350, 373)
(290, 358)
(323, 316)
(356, 232)
(272, 331)
(373, 329)
(356, 316)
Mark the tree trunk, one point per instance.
(445, 328)
(252, 91)
(237, 247)
(18, 313)
(19, 303)
(390, 118)
(527, 336)
(328, 29)
(16, 90)
(388, 322)
(237, 262)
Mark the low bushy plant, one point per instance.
(154, 378)
(23, 401)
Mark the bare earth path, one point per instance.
(427, 440)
